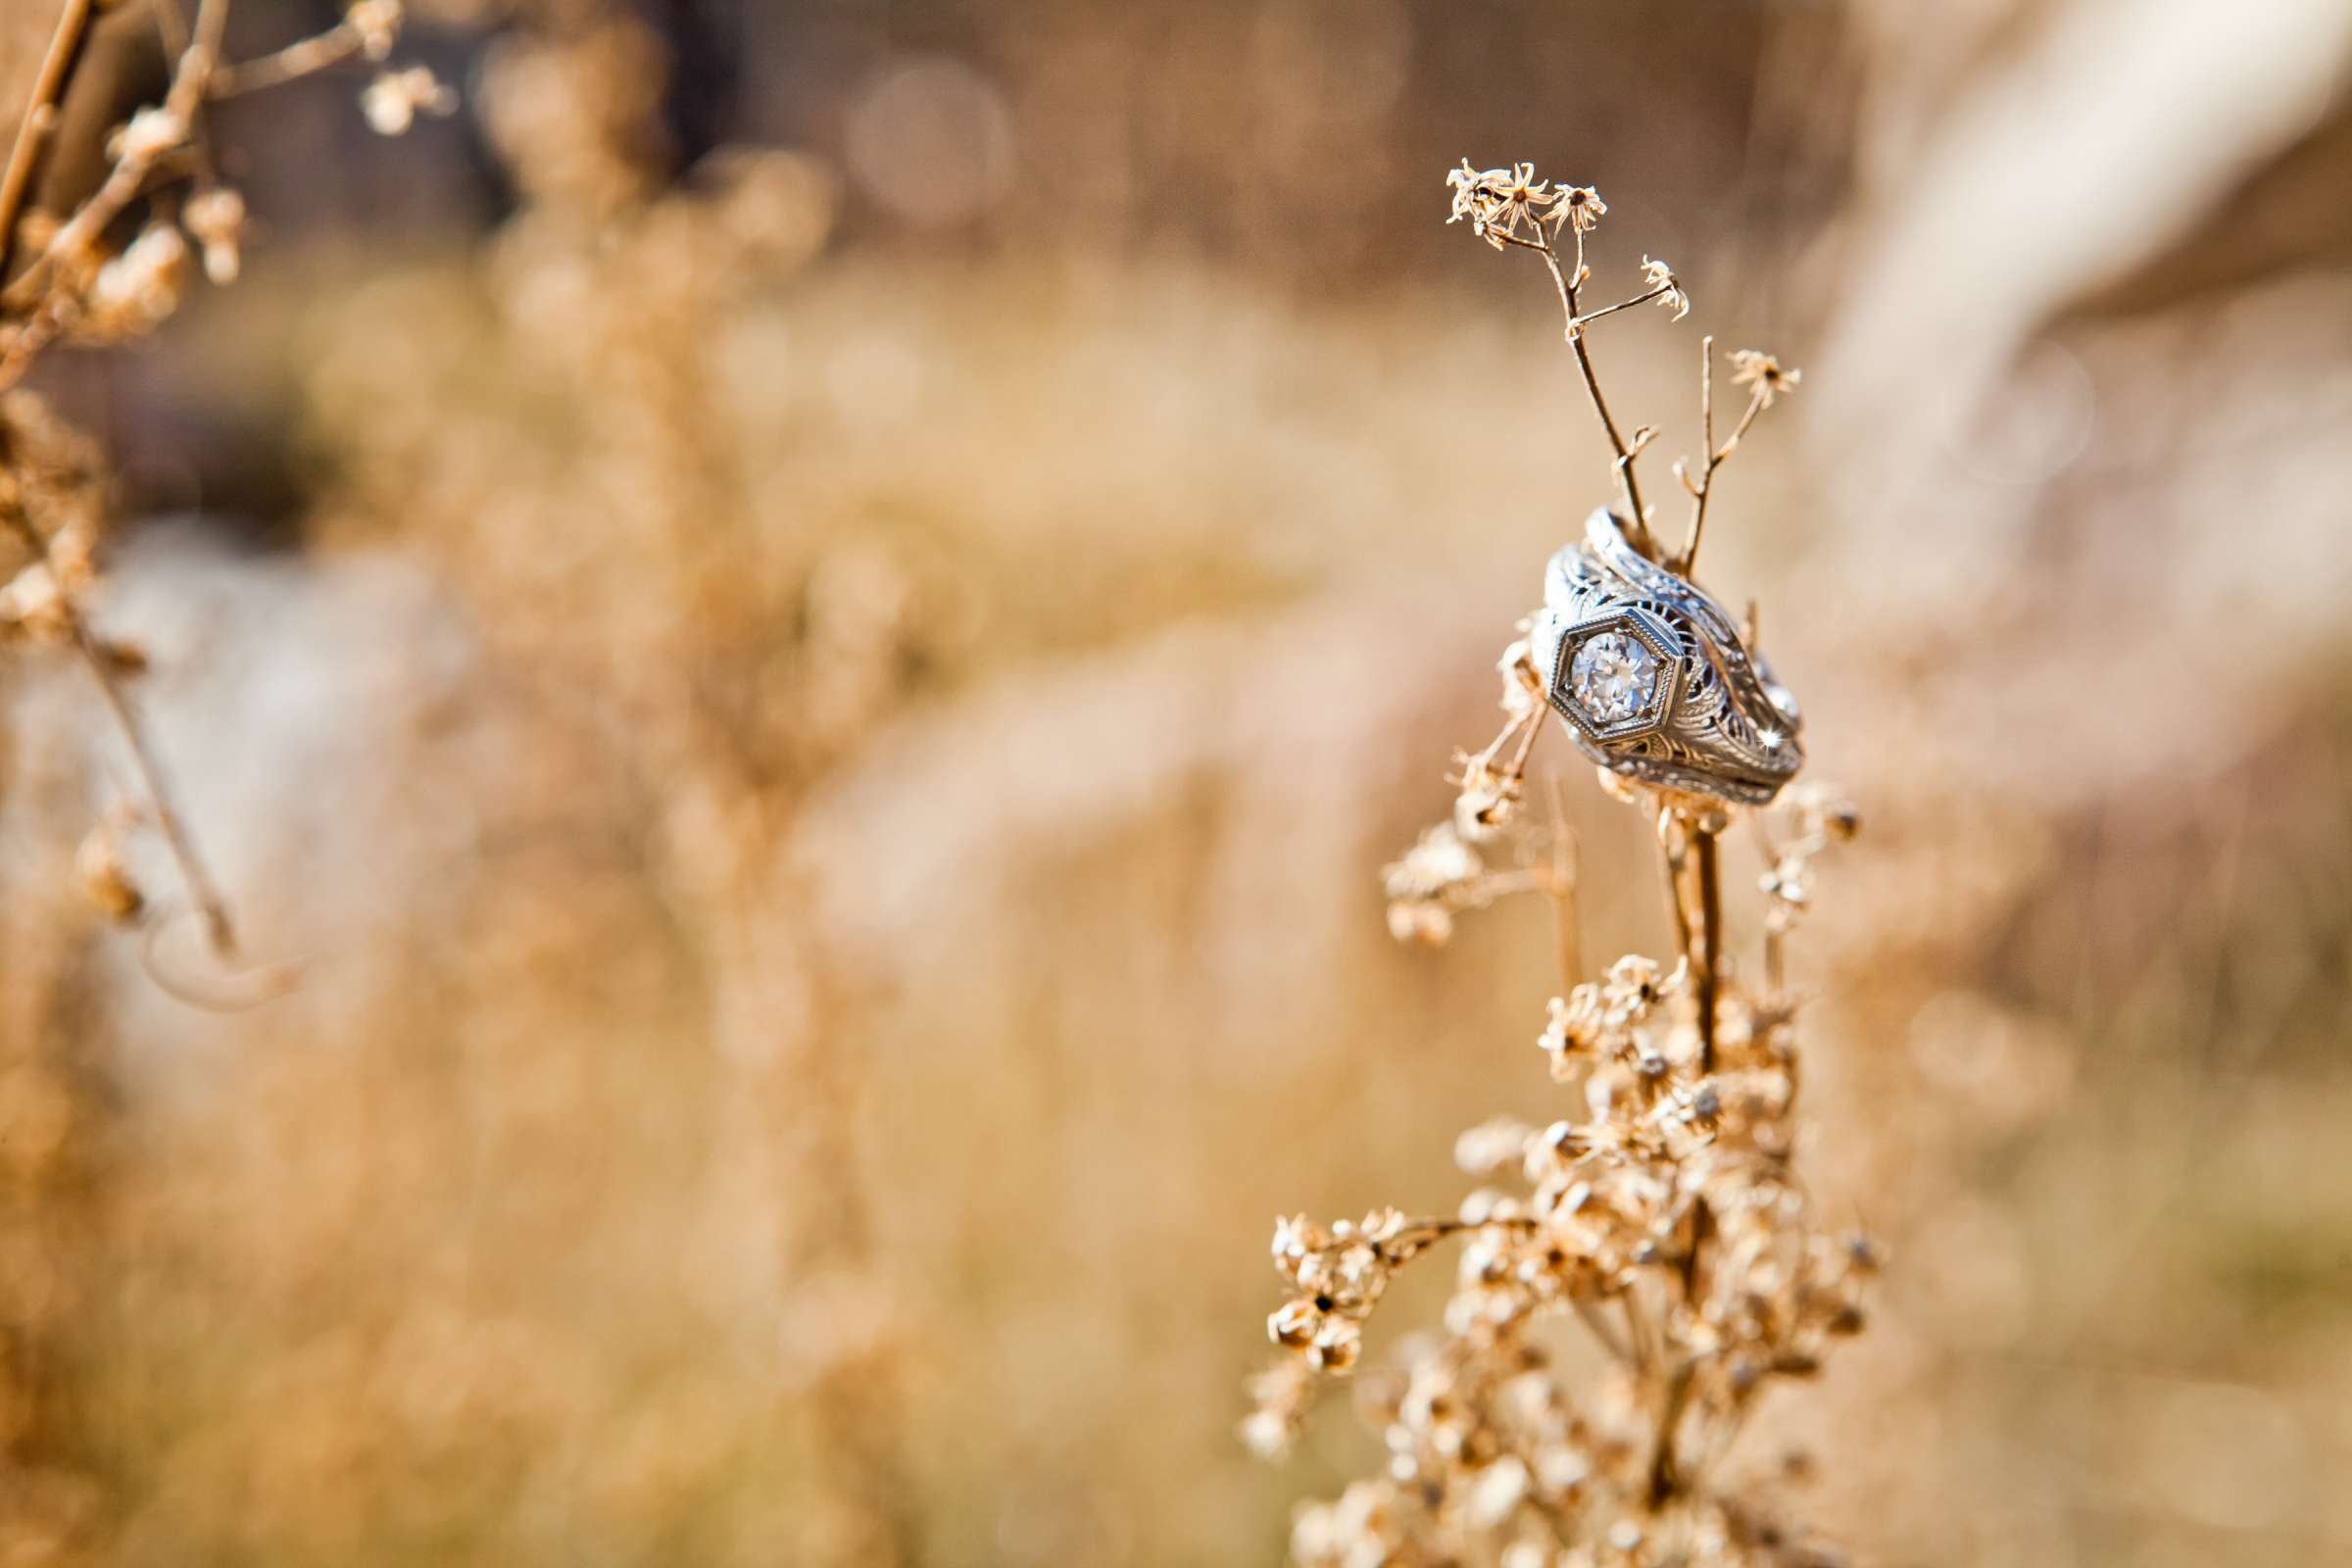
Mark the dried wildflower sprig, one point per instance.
(1509, 207)
(1762, 375)
(1665, 1217)
(1822, 819)
(70, 288)
(1493, 782)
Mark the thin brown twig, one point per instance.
(1420, 1235)
(1637, 524)
(1705, 872)
(172, 29)
(203, 890)
(1638, 1329)
(1665, 1477)
(1704, 485)
(129, 174)
(1482, 890)
(1695, 1272)
(122, 184)
(1775, 960)
(30, 338)
(1660, 292)
(47, 305)
(1707, 421)
(1638, 532)
(1517, 766)
(40, 113)
(1672, 851)
(322, 52)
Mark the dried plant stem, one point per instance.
(328, 49)
(1666, 1480)
(1638, 521)
(27, 342)
(1603, 1330)
(203, 892)
(1658, 293)
(1526, 728)
(172, 28)
(1701, 488)
(1706, 423)
(1416, 1239)
(1674, 855)
(1709, 971)
(1567, 278)
(1687, 852)
(129, 174)
(40, 113)
(1638, 1331)
(123, 183)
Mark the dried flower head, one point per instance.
(395, 98)
(32, 607)
(1581, 207)
(105, 881)
(1667, 287)
(214, 218)
(1427, 883)
(1763, 375)
(1502, 205)
(136, 291)
(1489, 799)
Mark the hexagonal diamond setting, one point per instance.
(1612, 677)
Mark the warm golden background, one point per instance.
(816, 617)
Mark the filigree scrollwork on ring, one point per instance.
(1652, 679)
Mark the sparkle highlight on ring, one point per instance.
(1612, 677)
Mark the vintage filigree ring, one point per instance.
(1653, 680)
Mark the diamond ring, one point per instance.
(1652, 679)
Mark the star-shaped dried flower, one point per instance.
(1498, 202)
(1659, 275)
(1763, 375)
(1579, 207)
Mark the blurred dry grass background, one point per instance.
(816, 617)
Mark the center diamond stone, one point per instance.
(1612, 677)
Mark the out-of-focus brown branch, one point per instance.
(219, 931)
(203, 890)
(161, 142)
(328, 49)
(129, 172)
(1706, 872)
(40, 113)
(1638, 532)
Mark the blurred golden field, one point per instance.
(812, 621)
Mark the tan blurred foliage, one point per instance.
(829, 789)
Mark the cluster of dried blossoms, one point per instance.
(1662, 1214)
(62, 279)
